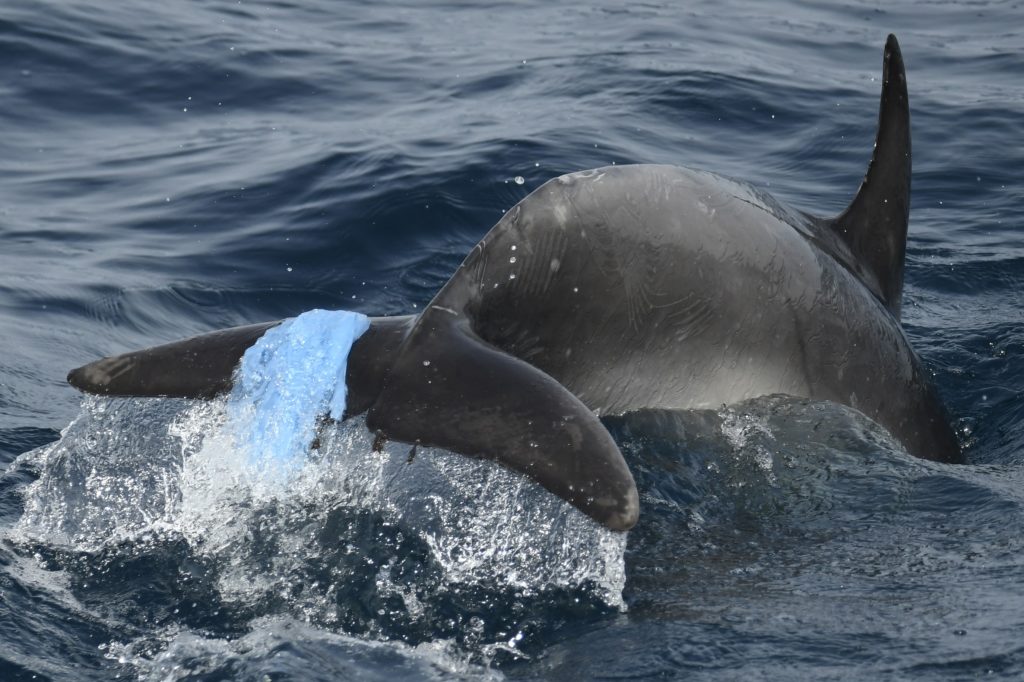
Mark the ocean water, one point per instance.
(172, 168)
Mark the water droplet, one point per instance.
(512, 276)
(512, 259)
(576, 290)
(513, 247)
(519, 180)
(289, 268)
(426, 363)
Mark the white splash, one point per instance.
(214, 473)
(750, 436)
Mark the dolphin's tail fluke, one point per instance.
(425, 380)
(874, 225)
(203, 366)
(199, 367)
(450, 389)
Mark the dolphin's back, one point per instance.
(634, 284)
(664, 287)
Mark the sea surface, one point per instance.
(171, 168)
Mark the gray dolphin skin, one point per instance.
(622, 288)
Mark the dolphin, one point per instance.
(623, 288)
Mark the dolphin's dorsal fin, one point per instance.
(450, 389)
(874, 225)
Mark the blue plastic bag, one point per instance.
(285, 382)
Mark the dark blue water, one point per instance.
(172, 168)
